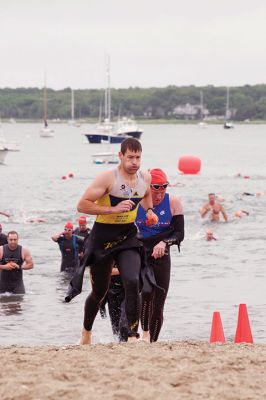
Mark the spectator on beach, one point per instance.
(114, 197)
(69, 245)
(214, 208)
(13, 260)
(157, 239)
(3, 237)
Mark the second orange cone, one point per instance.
(217, 332)
(243, 331)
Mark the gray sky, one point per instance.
(150, 42)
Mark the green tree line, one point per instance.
(246, 102)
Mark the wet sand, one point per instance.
(164, 370)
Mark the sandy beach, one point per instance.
(164, 370)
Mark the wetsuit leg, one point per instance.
(100, 278)
(115, 296)
(161, 268)
(129, 263)
(146, 304)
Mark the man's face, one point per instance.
(212, 199)
(12, 241)
(158, 193)
(68, 233)
(130, 161)
(83, 227)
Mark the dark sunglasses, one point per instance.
(68, 230)
(158, 187)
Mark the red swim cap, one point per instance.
(69, 225)
(82, 220)
(158, 176)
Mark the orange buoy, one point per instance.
(71, 175)
(189, 164)
(64, 177)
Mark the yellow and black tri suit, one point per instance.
(113, 238)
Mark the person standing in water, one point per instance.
(157, 239)
(214, 209)
(3, 237)
(69, 245)
(13, 260)
(114, 197)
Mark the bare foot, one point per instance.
(145, 336)
(85, 337)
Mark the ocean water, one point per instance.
(206, 276)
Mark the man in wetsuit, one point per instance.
(3, 237)
(214, 208)
(13, 260)
(157, 240)
(114, 197)
(82, 231)
(69, 245)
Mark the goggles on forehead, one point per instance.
(156, 186)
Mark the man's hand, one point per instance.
(159, 250)
(123, 206)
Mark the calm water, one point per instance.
(206, 276)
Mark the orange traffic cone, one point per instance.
(243, 331)
(217, 332)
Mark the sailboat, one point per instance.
(106, 157)
(227, 123)
(45, 131)
(202, 124)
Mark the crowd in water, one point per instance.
(128, 248)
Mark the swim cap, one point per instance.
(69, 225)
(158, 176)
(82, 220)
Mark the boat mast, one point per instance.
(72, 105)
(107, 106)
(45, 102)
(227, 111)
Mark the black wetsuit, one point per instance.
(12, 280)
(3, 239)
(83, 235)
(169, 228)
(69, 249)
(115, 299)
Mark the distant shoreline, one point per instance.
(139, 121)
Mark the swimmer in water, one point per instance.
(210, 236)
(241, 213)
(214, 208)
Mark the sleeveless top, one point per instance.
(119, 192)
(163, 212)
(12, 255)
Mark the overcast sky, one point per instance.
(150, 42)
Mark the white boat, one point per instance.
(105, 158)
(3, 154)
(227, 123)
(128, 126)
(45, 131)
(11, 146)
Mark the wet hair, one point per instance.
(12, 233)
(130, 144)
